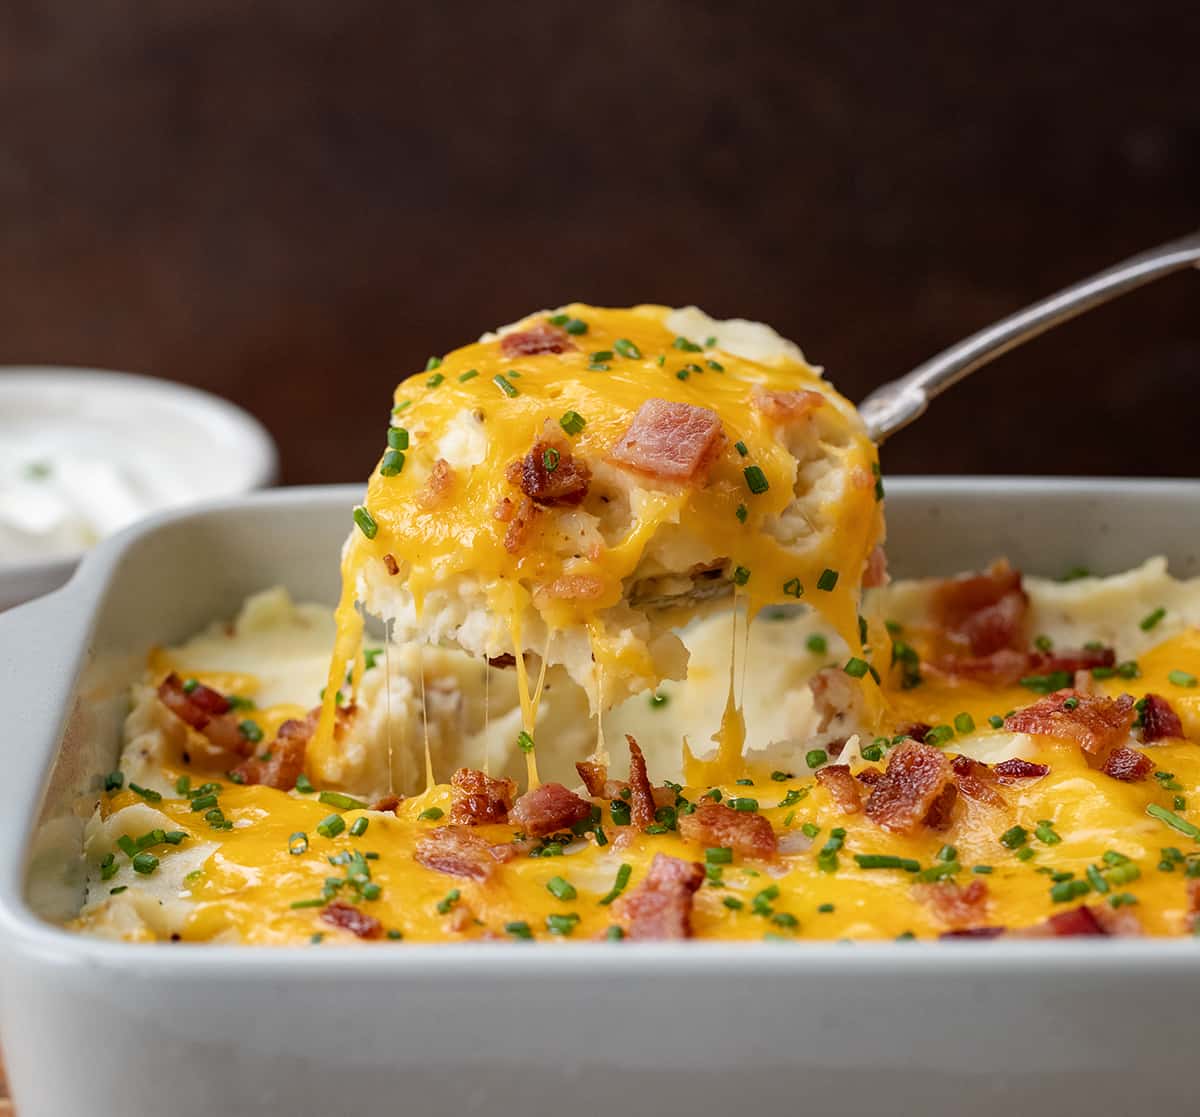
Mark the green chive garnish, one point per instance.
(756, 480)
(561, 889)
(145, 863)
(431, 813)
(1174, 821)
(345, 802)
(572, 422)
(505, 385)
(856, 668)
(1181, 678)
(627, 348)
(622, 879)
(331, 826)
(366, 522)
(827, 580)
(525, 741)
(1152, 618)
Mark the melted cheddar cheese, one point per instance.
(482, 411)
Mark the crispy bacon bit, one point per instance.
(349, 918)
(1159, 721)
(479, 798)
(550, 475)
(1070, 660)
(786, 407)
(594, 777)
(441, 478)
(976, 781)
(1077, 921)
(714, 824)
(388, 804)
(390, 564)
(457, 851)
(641, 798)
(535, 340)
(284, 759)
(1117, 921)
(875, 573)
(1095, 723)
(953, 904)
(973, 933)
(1002, 668)
(1128, 765)
(836, 779)
(670, 441)
(869, 776)
(837, 699)
(913, 788)
(507, 659)
(661, 906)
(1017, 769)
(519, 525)
(548, 808)
(916, 731)
(982, 613)
(208, 712)
(573, 587)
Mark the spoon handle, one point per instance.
(896, 404)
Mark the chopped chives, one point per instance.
(345, 802)
(470, 374)
(622, 879)
(964, 723)
(1014, 837)
(719, 855)
(251, 730)
(297, 905)
(575, 326)
(174, 837)
(886, 861)
(397, 438)
(740, 447)
(627, 348)
(817, 644)
(856, 668)
(505, 385)
(433, 363)
(614, 934)
(745, 805)
(827, 580)
(298, 843)
(525, 741)
(366, 522)
(685, 345)
(561, 923)
(741, 512)
(984, 869)
(359, 826)
(435, 380)
(561, 889)
(519, 929)
(658, 700)
(304, 784)
(145, 863)
(448, 901)
(331, 826)
(1181, 678)
(1151, 619)
(1045, 833)
(114, 781)
(716, 366)
(1174, 821)
(814, 758)
(601, 355)
(1024, 853)
(404, 403)
(793, 588)
(740, 576)
(939, 735)
(756, 480)
(996, 721)
(204, 802)
(431, 813)
(147, 793)
(392, 464)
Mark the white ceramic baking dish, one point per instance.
(96, 1028)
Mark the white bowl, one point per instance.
(196, 445)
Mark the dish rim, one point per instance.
(77, 604)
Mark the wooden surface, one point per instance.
(294, 203)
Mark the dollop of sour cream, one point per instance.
(62, 490)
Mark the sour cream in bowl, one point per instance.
(85, 453)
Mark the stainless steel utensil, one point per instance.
(896, 404)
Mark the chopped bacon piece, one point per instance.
(535, 340)
(973, 933)
(548, 808)
(1018, 769)
(1095, 723)
(916, 731)
(836, 698)
(388, 804)
(670, 441)
(441, 478)
(1001, 668)
(661, 906)
(349, 918)
(641, 799)
(506, 659)
(208, 712)
(836, 779)
(1077, 921)
(913, 788)
(594, 776)
(1128, 765)
(549, 475)
(1117, 921)
(977, 781)
(953, 904)
(1193, 902)
(520, 524)
(479, 798)
(714, 824)
(869, 775)
(284, 760)
(875, 573)
(982, 613)
(457, 851)
(1070, 660)
(1159, 720)
(786, 406)
(390, 564)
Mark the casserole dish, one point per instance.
(934, 1028)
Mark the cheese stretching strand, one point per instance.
(589, 479)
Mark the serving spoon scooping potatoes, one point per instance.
(894, 405)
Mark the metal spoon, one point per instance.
(896, 404)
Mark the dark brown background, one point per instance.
(293, 204)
